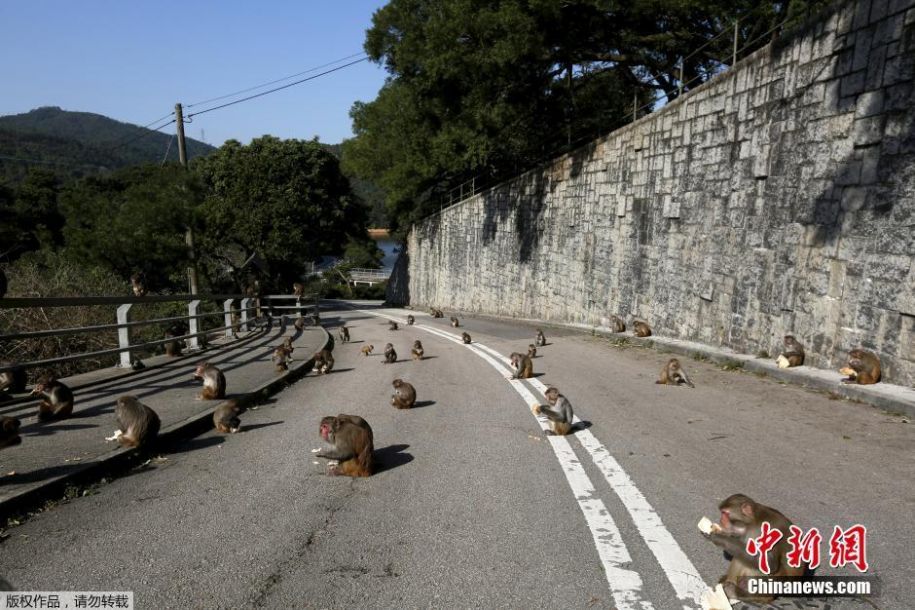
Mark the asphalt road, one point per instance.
(474, 506)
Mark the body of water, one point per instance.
(388, 246)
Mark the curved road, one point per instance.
(474, 505)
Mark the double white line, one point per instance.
(625, 584)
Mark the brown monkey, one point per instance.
(522, 365)
(368, 349)
(437, 313)
(299, 323)
(138, 425)
(641, 329)
(392, 325)
(12, 381)
(404, 396)
(281, 358)
(793, 354)
(560, 415)
(742, 519)
(390, 356)
(617, 324)
(862, 367)
(287, 343)
(344, 334)
(454, 322)
(324, 361)
(138, 284)
(532, 350)
(417, 350)
(173, 347)
(410, 320)
(673, 374)
(541, 339)
(58, 398)
(9, 432)
(298, 290)
(214, 382)
(225, 417)
(353, 445)
(465, 337)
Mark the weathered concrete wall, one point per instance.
(778, 198)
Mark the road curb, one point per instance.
(121, 460)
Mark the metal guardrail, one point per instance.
(368, 276)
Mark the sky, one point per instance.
(133, 60)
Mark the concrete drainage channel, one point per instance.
(120, 461)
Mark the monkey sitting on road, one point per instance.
(9, 432)
(532, 350)
(367, 349)
(390, 356)
(404, 396)
(344, 334)
(465, 337)
(225, 417)
(862, 367)
(560, 415)
(281, 358)
(392, 325)
(617, 324)
(58, 398)
(353, 445)
(641, 329)
(418, 350)
(454, 322)
(540, 341)
(522, 366)
(410, 320)
(793, 354)
(673, 374)
(214, 382)
(138, 425)
(324, 362)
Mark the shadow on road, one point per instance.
(195, 444)
(419, 404)
(391, 457)
(245, 428)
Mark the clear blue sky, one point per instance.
(132, 60)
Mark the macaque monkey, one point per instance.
(742, 519)
(392, 325)
(344, 334)
(12, 381)
(324, 361)
(454, 322)
(522, 365)
(532, 351)
(410, 320)
(404, 396)
(862, 367)
(298, 290)
(137, 365)
(287, 343)
(173, 347)
(465, 337)
(673, 374)
(390, 356)
(299, 323)
(281, 357)
(58, 398)
(793, 354)
(417, 350)
(641, 329)
(138, 425)
(352, 441)
(540, 341)
(560, 415)
(368, 349)
(138, 284)
(9, 432)
(617, 324)
(214, 382)
(225, 417)
(437, 313)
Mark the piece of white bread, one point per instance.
(782, 362)
(715, 599)
(707, 526)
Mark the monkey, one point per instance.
(138, 425)
(392, 325)
(617, 324)
(410, 320)
(390, 356)
(281, 358)
(344, 334)
(138, 284)
(287, 343)
(324, 361)
(742, 519)
(298, 290)
(532, 350)
(560, 415)
(862, 367)
(225, 417)
(673, 374)
(299, 323)
(214, 382)
(353, 444)
(173, 347)
(465, 337)
(522, 365)
(236, 323)
(9, 432)
(12, 381)
(253, 289)
(793, 354)
(404, 396)
(417, 350)
(58, 398)
(454, 322)
(437, 313)
(641, 329)
(368, 349)
(137, 365)
(541, 339)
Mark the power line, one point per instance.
(141, 136)
(274, 90)
(273, 82)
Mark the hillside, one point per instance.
(80, 143)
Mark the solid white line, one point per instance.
(625, 585)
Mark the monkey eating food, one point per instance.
(353, 445)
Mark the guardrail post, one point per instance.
(124, 334)
(227, 312)
(245, 304)
(194, 342)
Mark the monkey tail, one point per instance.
(365, 460)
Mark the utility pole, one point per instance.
(189, 234)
